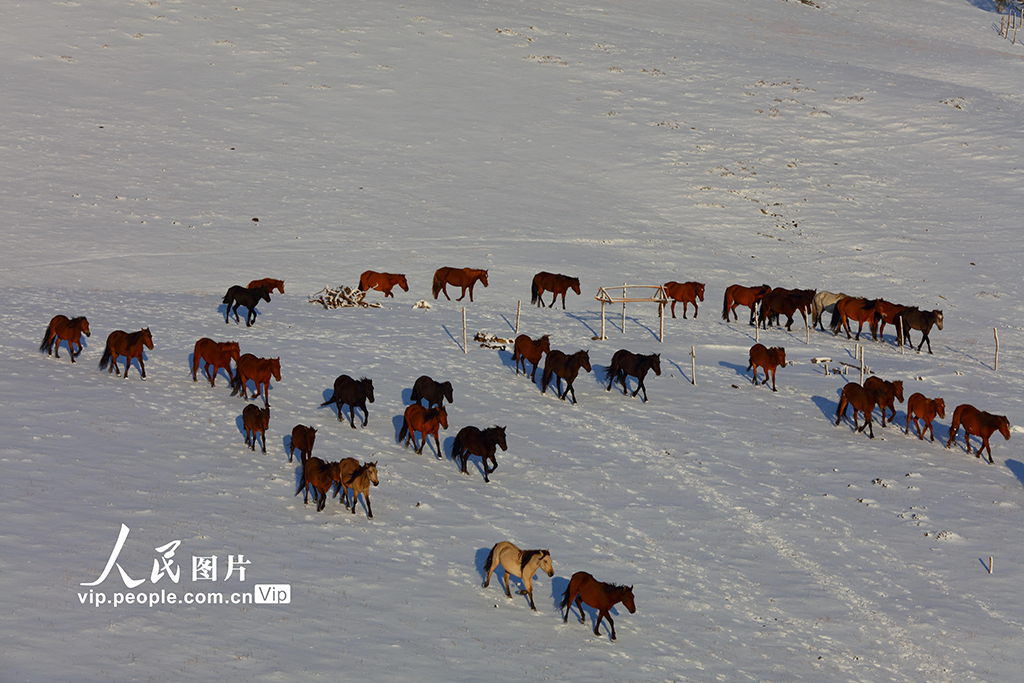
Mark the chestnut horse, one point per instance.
(914, 318)
(426, 421)
(243, 296)
(601, 596)
(556, 284)
(457, 277)
(563, 366)
(434, 393)
(255, 420)
(217, 355)
(303, 438)
(67, 330)
(855, 308)
(259, 370)
(121, 343)
(358, 478)
(483, 442)
(353, 393)
(920, 406)
(769, 359)
(888, 393)
(824, 302)
(861, 400)
(887, 313)
(977, 423)
(270, 283)
(521, 563)
(785, 302)
(383, 282)
(738, 295)
(687, 292)
(626, 363)
(526, 349)
(319, 476)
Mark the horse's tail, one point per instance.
(456, 452)
(106, 358)
(48, 338)
(332, 399)
(837, 320)
(227, 298)
(362, 282)
(566, 599)
(725, 306)
(535, 291)
(487, 563)
(438, 283)
(841, 408)
(611, 370)
(236, 383)
(404, 431)
(545, 378)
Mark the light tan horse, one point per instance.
(521, 563)
(358, 478)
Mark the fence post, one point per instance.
(623, 307)
(995, 365)
(693, 364)
(519, 304)
(465, 347)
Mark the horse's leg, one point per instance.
(369, 508)
(528, 590)
(773, 379)
(579, 606)
(930, 427)
(437, 445)
(444, 290)
(352, 415)
(988, 447)
(464, 294)
(611, 624)
(569, 387)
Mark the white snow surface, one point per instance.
(870, 147)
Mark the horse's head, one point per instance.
(499, 433)
(483, 277)
(147, 339)
(545, 563)
(780, 356)
(575, 284)
(446, 391)
(234, 351)
(85, 326)
(700, 291)
(442, 416)
(403, 283)
(275, 368)
(940, 408)
(371, 472)
(938, 321)
(584, 360)
(628, 600)
(367, 388)
(1004, 426)
(656, 363)
(898, 386)
(544, 343)
(280, 285)
(263, 292)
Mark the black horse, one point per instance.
(914, 318)
(433, 392)
(243, 296)
(354, 393)
(626, 363)
(563, 366)
(483, 442)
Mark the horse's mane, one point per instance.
(528, 555)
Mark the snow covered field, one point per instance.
(155, 153)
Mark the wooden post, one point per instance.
(623, 307)
(603, 337)
(807, 333)
(661, 322)
(1002, 21)
(519, 304)
(989, 564)
(862, 366)
(693, 365)
(899, 333)
(465, 348)
(757, 326)
(995, 365)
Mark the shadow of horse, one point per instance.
(481, 563)
(406, 397)
(558, 587)
(1015, 466)
(827, 407)
(332, 406)
(397, 421)
(240, 424)
(506, 359)
(446, 447)
(741, 370)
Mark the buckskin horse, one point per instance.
(483, 442)
(526, 349)
(563, 366)
(980, 424)
(626, 363)
(67, 330)
(358, 478)
(383, 282)
(121, 343)
(738, 295)
(555, 283)
(687, 292)
(521, 563)
(457, 277)
(217, 355)
(601, 596)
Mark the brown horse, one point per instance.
(858, 309)
(551, 282)
(914, 318)
(358, 478)
(562, 366)
(353, 393)
(303, 438)
(67, 330)
(217, 355)
(426, 421)
(521, 563)
(738, 295)
(319, 476)
(920, 406)
(270, 283)
(457, 277)
(601, 596)
(888, 393)
(259, 370)
(255, 420)
(977, 423)
(383, 282)
(887, 313)
(434, 393)
(785, 302)
(625, 363)
(687, 292)
(526, 349)
(861, 400)
(483, 442)
(129, 345)
(769, 359)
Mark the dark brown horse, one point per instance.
(887, 313)
(270, 283)
(785, 302)
(129, 345)
(434, 393)
(601, 596)
(626, 363)
(980, 424)
(687, 292)
(319, 476)
(457, 277)
(483, 442)
(526, 349)
(303, 438)
(382, 282)
(920, 406)
(259, 370)
(769, 359)
(855, 308)
(353, 393)
(67, 330)
(217, 355)
(255, 420)
(861, 400)
(426, 421)
(551, 282)
(243, 296)
(358, 478)
(914, 318)
(888, 393)
(563, 367)
(738, 295)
